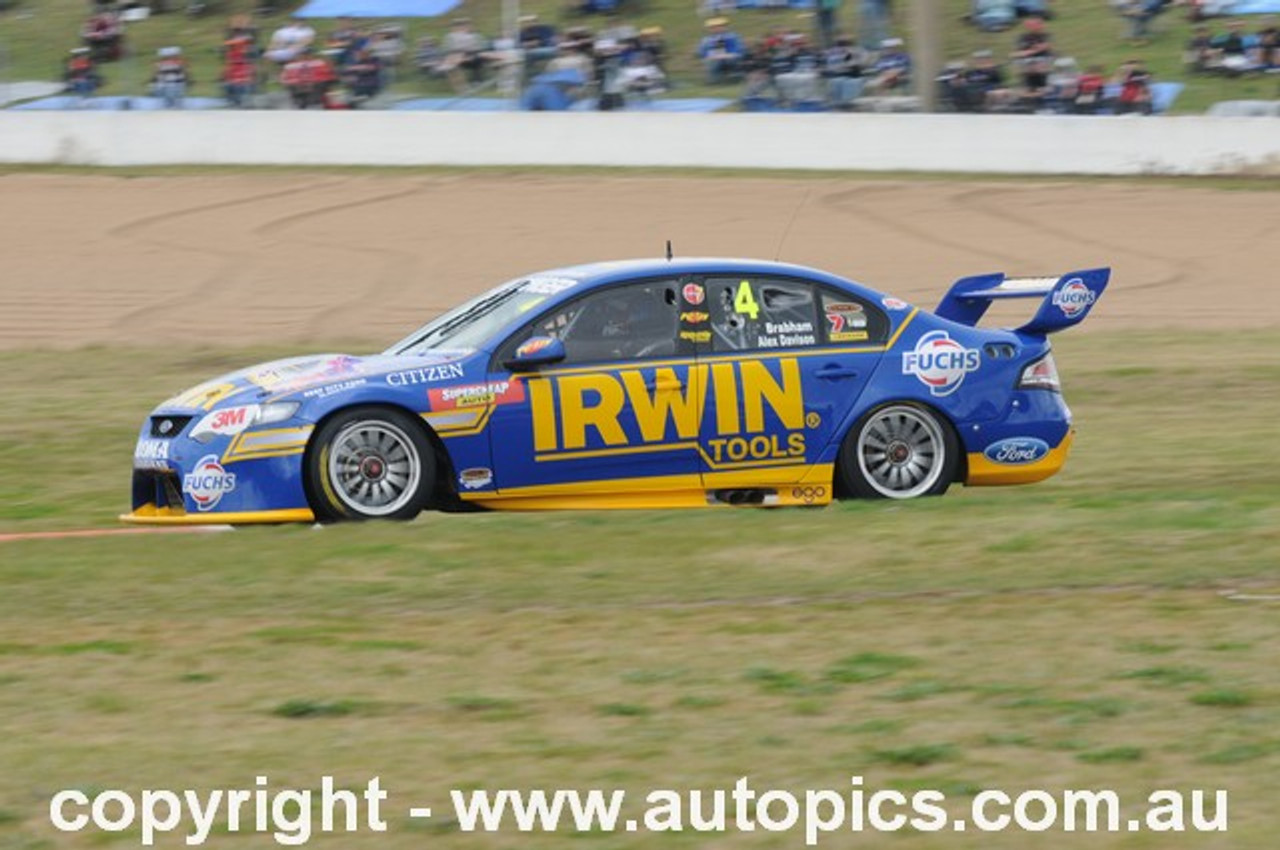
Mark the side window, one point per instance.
(625, 322)
(750, 313)
(849, 319)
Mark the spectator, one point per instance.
(1134, 81)
(427, 57)
(985, 86)
(1269, 47)
(843, 64)
(1033, 42)
(1090, 91)
(239, 70)
(1033, 9)
(537, 39)
(1238, 51)
(1201, 55)
(721, 51)
(290, 42)
(170, 77)
(573, 56)
(1140, 14)
(308, 78)
(464, 49)
(242, 26)
(103, 34)
(651, 42)
(362, 76)
(80, 74)
(892, 69)
(641, 76)
(1064, 85)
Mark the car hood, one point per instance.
(280, 378)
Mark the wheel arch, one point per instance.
(841, 491)
(443, 491)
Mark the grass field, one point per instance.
(34, 38)
(1114, 627)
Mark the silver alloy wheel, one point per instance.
(374, 467)
(901, 452)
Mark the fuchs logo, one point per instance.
(940, 362)
(208, 482)
(1074, 298)
(1016, 451)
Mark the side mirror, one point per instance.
(534, 352)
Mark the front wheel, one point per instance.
(899, 451)
(370, 463)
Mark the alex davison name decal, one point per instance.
(759, 415)
(425, 375)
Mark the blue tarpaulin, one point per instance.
(377, 8)
(1242, 7)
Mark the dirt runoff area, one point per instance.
(228, 259)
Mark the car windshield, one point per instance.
(475, 323)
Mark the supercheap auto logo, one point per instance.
(207, 483)
(1074, 298)
(940, 362)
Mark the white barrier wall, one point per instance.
(939, 143)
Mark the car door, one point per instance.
(619, 414)
(786, 360)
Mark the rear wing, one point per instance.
(1064, 301)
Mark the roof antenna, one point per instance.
(795, 213)
(668, 250)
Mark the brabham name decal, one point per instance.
(759, 417)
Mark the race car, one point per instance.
(632, 384)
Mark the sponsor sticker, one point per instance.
(695, 317)
(151, 454)
(533, 346)
(425, 375)
(1016, 451)
(208, 482)
(334, 389)
(693, 293)
(696, 336)
(548, 285)
(1074, 298)
(849, 336)
(894, 304)
(940, 363)
(843, 318)
(475, 478)
(476, 395)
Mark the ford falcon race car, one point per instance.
(640, 384)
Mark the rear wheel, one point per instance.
(370, 463)
(899, 451)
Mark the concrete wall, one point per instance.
(996, 144)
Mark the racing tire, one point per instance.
(369, 463)
(899, 451)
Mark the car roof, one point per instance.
(595, 274)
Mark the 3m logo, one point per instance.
(940, 363)
(625, 410)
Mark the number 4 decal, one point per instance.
(745, 301)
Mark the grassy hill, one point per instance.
(35, 35)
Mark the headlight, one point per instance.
(230, 421)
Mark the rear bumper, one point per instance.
(986, 472)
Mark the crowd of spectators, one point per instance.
(1037, 79)
(1234, 51)
(817, 67)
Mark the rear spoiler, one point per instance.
(1064, 301)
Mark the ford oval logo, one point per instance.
(1015, 451)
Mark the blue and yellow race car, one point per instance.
(637, 384)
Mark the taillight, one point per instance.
(1040, 374)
